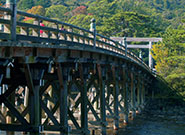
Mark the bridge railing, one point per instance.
(52, 33)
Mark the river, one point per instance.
(149, 124)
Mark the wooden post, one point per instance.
(84, 118)
(3, 110)
(138, 93)
(115, 94)
(133, 94)
(93, 29)
(13, 22)
(63, 101)
(143, 94)
(125, 43)
(102, 100)
(37, 119)
(26, 96)
(125, 94)
(33, 77)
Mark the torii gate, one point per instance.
(124, 41)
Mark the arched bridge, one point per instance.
(69, 81)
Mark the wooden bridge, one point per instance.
(67, 81)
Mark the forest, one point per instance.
(130, 18)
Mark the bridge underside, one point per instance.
(66, 89)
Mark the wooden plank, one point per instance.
(8, 10)
(15, 127)
(5, 36)
(3, 21)
(44, 52)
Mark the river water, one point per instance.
(148, 124)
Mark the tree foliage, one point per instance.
(25, 4)
(43, 3)
(57, 11)
(130, 24)
(38, 10)
(81, 20)
(170, 57)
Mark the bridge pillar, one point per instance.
(102, 98)
(33, 77)
(143, 94)
(138, 92)
(133, 97)
(84, 112)
(125, 93)
(63, 101)
(115, 95)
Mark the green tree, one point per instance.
(25, 4)
(57, 2)
(44, 3)
(57, 11)
(129, 24)
(38, 10)
(81, 20)
(170, 57)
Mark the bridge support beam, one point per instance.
(115, 95)
(133, 97)
(125, 94)
(143, 94)
(139, 92)
(34, 75)
(63, 101)
(84, 118)
(102, 99)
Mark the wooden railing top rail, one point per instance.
(54, 34)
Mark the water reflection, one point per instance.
(154, 125)
(143, 124)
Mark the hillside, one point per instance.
(170, 12)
